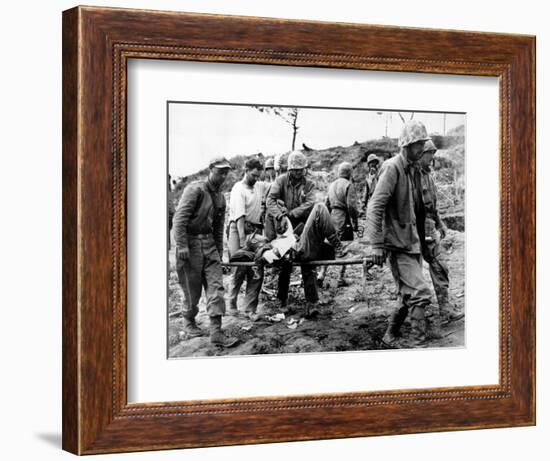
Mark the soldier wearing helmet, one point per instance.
(342, 204)
(435, 231)
(280, 163)
(373, 164)
(291, 199)
(291, 195)
(395, 226)
(269, 170)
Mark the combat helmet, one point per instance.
(345, 169)
(297, 160)
(280, 162)
(373, 158)
(413, 131)
(430, 146)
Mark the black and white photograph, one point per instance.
(297, 229)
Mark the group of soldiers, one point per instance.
(274, 219)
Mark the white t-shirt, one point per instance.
(247, 201)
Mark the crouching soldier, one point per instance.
(198, 231)
(395, 226)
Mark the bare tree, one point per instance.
(288, 114)
(403, 118)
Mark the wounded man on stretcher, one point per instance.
(317, 240)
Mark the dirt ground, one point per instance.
(350, 319)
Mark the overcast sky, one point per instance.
(199, 132)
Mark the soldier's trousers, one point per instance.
(439, 272)
(202, 270)
(414, 293)
(254, 277)
(311, 246)
(269, 227)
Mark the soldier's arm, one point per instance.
(366, 196)
(351, 203)
(171, 209)
(377, 205)
(184, 212)
(237, 203)
(439, 224)
(302, 211)
(219, 220)
(237, 207)
(265, 192)
(275, 193)
(241, 231)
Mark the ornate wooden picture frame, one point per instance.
(97, 44)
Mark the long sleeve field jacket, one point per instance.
(298, 199)
(391, 220)
(201, 210)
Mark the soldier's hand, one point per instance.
(378, 256)
(182, 254)
(443, 232)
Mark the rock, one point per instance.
(455, 222)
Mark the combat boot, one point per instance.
(342, 282)
(447, 309)
(284, 308)
(191, 329)
(311, 310)
(217, 336)
(433, 323)
(390, 338)
(418, 324)
(418, 330)
(394, 325)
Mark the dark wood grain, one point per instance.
(70, 387)
(97, 43)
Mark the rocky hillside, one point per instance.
(449, 169)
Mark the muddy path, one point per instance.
(350, 318)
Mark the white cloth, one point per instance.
(281, 244)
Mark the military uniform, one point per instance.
(171, 212)
(311, 245)
(198, 226)
(296, 202)
(395, 222)
(342, 203)
(370, 185)
(439, 272)
(371, 180)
